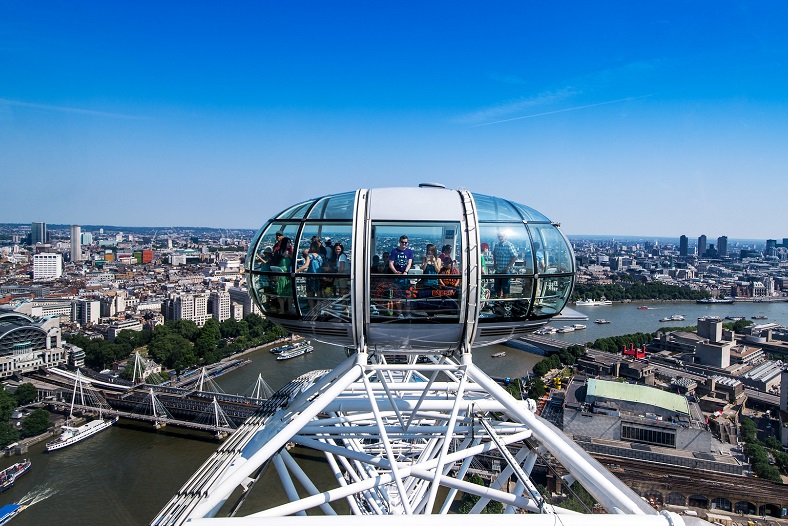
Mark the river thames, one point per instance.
(126, 474)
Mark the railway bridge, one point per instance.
(678, 486)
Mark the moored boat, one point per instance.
(578, 326)
(9, 475)
(593, 303)
(298, 351)
(715, 300)
(675, 317)
(760, 317)
(601, 321)
(289, 347)
(566, 328)
(72, 435)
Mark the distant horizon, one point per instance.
(600, 237)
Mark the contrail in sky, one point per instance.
(561, 111)
(67, 109)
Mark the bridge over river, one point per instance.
(210, 411)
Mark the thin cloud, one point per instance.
(68, 109)
(575, 108)
(508, 108)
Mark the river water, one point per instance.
(126, 474)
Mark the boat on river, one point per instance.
(9, 511)
(566, 328)
(499, 354)
(70, 434)
(578, 326)
(602, 321)
(298, 351)
(716, 300)
(289, 347)
(593, 303)
(675, 317)
(9, 475)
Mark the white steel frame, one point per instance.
(393, 434)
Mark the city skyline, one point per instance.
(634, 120)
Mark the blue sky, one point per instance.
(612, 118)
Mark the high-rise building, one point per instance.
(38, 233)
(76, 240)
(771, 247)
(185, 306)
(220, 305)
(85, 311)
(722, 246)
(683, 246)
(87, 238)
(702, 246)
(47, 266)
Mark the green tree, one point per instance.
(25, 394)
(36, 423)
(7, 404)
(536, 388)
(8, 434)
(208, 339)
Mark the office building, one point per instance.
(76, 240)
(85, 311)
(47, 266)
(185, 306)
(683, 246)
(771, 248)
(87, 238)
(702, 246)
(722, 246)
(220, 305)
(38, 233)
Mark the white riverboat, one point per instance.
(71, 434)
(298, 351)
(593, 303)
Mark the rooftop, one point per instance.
(638, 394)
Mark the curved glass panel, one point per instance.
(494, 209)
(339, 206)
(553, 253)
(325, 294)
(507, 271)
(296, 212)
(415, 272)
(552, 293)
(247, 260)
(529, 214)
(268, 240)
(273, 257)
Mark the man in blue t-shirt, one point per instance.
(401, 259)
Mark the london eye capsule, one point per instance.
(425, 269)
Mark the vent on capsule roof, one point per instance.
(431, 185)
